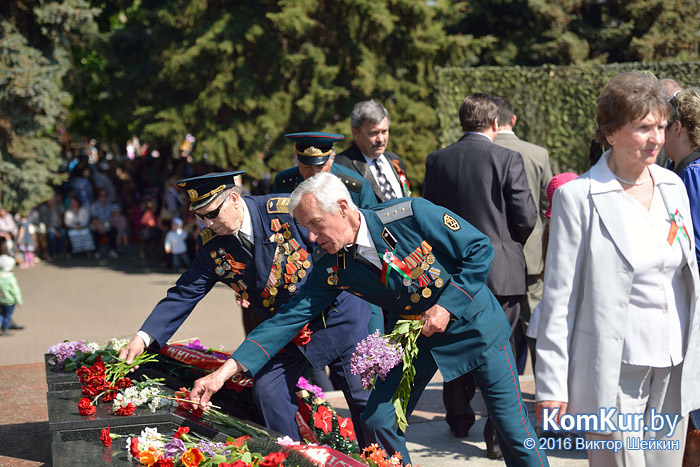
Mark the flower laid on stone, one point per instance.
(187, 449)
(108, 382)
(69, 349)
(183, 399)
(375, 356)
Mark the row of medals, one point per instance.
(297, 263)
(422, 273)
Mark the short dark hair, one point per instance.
(626, 98)
(505, 111)
(478, 112)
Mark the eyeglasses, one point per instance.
(211, 215)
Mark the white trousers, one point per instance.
(641, 389)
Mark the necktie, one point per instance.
(354, 254)
(247, 244)
(383, 182)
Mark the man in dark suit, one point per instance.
(253, 245)
(486, 185)
(438, 267)
(538, 173)
(368, 156)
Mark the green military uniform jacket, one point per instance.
(452, 260)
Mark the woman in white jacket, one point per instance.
(619, 334)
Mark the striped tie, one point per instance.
(383, 182)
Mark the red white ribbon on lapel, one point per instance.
(390, 261)
(677, 226)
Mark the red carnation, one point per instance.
(274, 459)
(85, 407)
(181, 431)
(134, 448)
(105, 438)
(122, 383)
(125, 411)
(303, 337)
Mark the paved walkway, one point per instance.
(98, 300)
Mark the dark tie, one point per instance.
(354, 254)
(247, 244)
(383, 182)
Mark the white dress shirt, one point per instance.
(388, 172)
(659, 301)
(365, 244)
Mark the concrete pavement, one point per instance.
(97, 300)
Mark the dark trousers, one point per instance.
(458, 393)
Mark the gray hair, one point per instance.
(326, 188)
(367, 111)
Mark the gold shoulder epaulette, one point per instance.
(278, 206)
(206, 234)
(396, 212)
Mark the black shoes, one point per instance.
(493, 449)
(460, 427)
(16, 327)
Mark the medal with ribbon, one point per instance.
(677, 227)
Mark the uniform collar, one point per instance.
(364, 239)
(247, 225)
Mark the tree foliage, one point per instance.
(239, 75)
(35, 58)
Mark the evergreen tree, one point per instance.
(239, 75)
(35, 44)
(562, 32)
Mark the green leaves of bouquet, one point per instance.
(376, 355)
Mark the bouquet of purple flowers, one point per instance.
(376, 355)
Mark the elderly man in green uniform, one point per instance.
(315, 153)
(444, 263)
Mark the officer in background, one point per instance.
(315, 153)
(253, 245)
(419, 261)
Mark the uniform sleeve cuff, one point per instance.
(148, 340)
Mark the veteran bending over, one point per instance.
(253, 245)
(464, 328)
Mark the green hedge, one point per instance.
(555, 105)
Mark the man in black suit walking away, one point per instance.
(486, 185)
(368, 156)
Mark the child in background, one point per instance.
(176, 245)
(122, 227)
(10, 294)
(25, 242)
